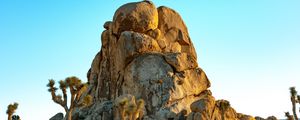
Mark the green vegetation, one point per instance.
(77, 88)
(11, 109)
(294, 99)
(130, 109)
(121, 107)
(139, 113)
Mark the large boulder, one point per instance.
(168, 19)
(174, 32)
(244, 117)
(204, 105)
(152, 76)
(132, 43)
(136, 16)
(181, 61)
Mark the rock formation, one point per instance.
(58, 116)
(147, 52)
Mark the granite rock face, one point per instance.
(147, 53)
(138, 17)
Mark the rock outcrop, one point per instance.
(58, 116)
(147, 52)
(268, 118)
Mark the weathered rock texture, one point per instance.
(147, 52)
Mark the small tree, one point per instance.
(121, 106)
(139, 113)
(11, 109)
(130, 109)
(77, 88)
(135, 110)
(293, 100)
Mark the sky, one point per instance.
(249, 49)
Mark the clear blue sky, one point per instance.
(250, 49)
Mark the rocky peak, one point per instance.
(147, 54)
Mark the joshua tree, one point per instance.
(288, 116)
(77, 88)
(298, 100)
(293, 100)
(223, 106)
(139, 113)
(131, 108)
(121, 105)
(11, 108)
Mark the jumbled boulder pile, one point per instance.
(147, 54)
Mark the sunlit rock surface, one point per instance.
(147, 53)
